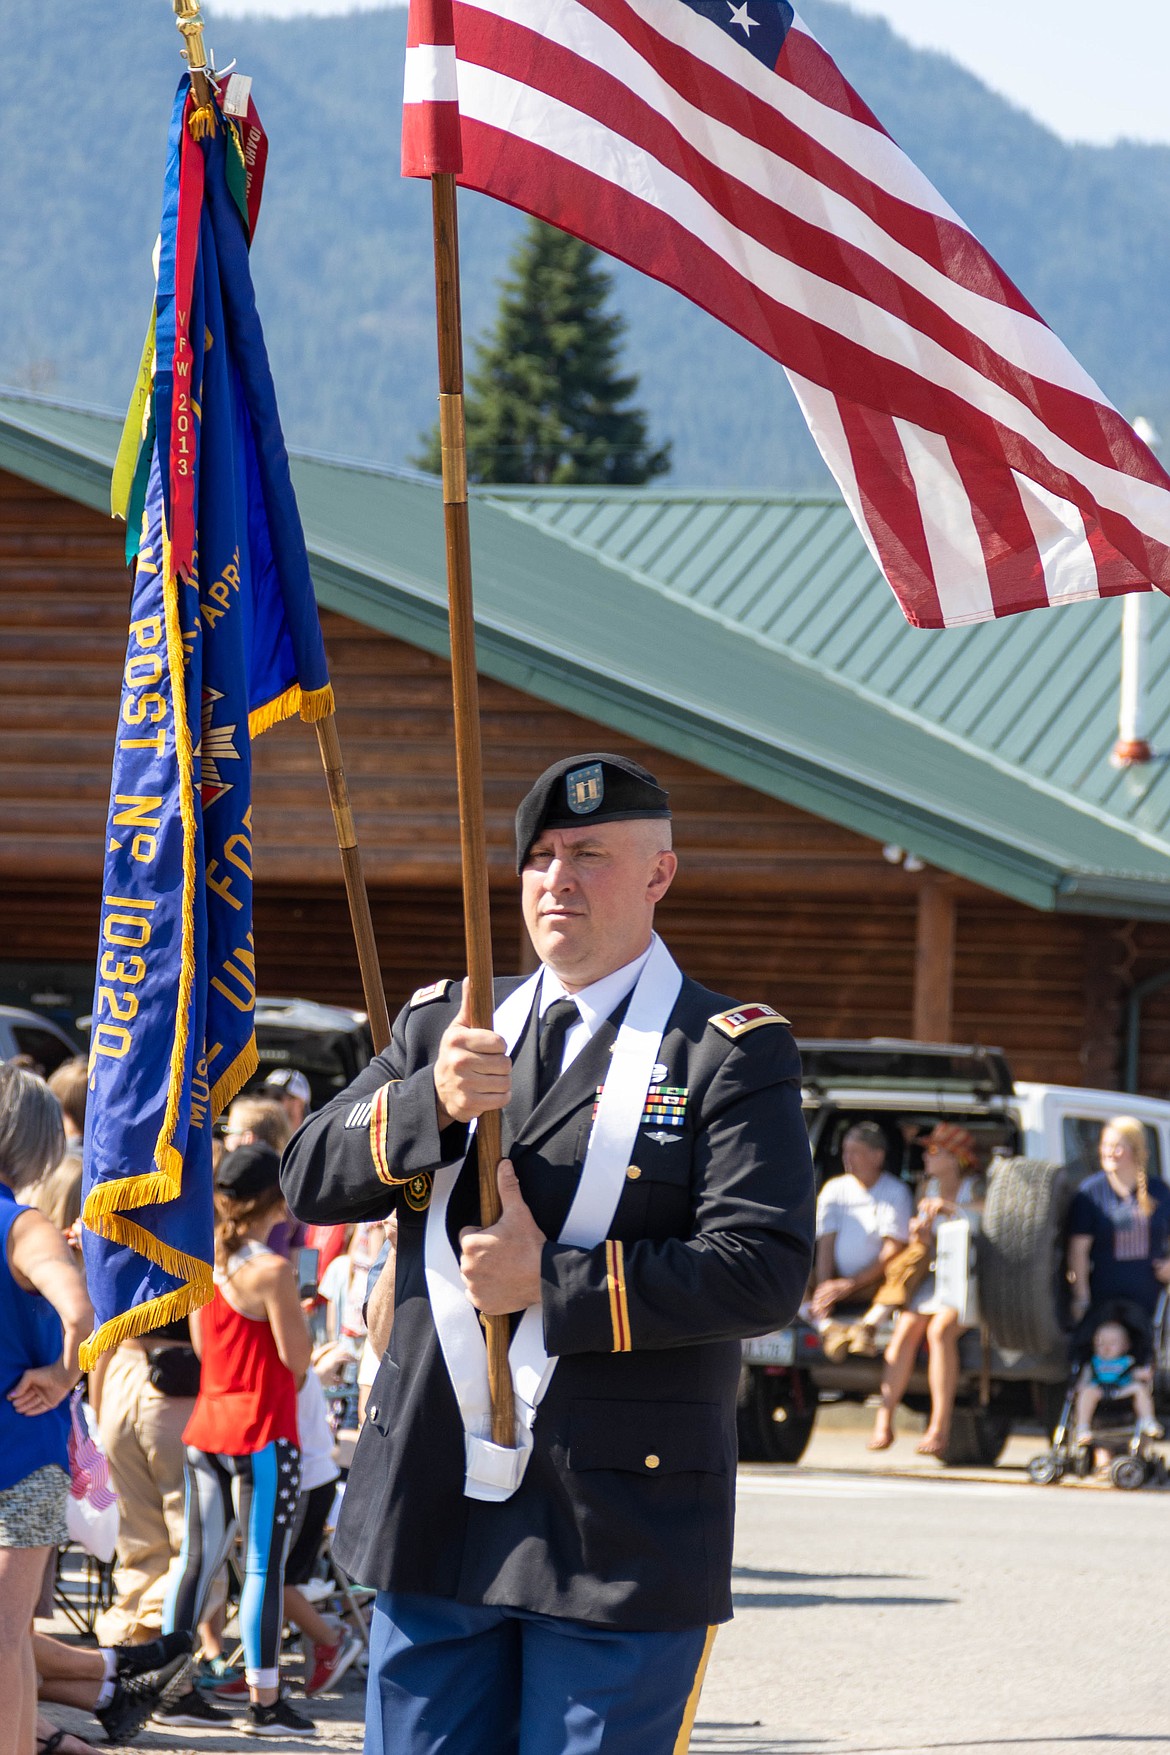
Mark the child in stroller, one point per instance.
(1109, 1403)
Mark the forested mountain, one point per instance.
(343, 256)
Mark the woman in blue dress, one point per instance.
(44, 1317)
(1119, 1225)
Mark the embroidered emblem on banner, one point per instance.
(742, 1018)
(359, 1115)
(584, 789)
(424, 995)
(417, 1193)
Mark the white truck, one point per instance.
(1038, 1142)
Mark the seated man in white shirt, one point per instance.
(863, 1219)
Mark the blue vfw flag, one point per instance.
(224, 641)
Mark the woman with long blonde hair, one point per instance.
(1119, 1225)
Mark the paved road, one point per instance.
(886, 1607)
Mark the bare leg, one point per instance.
(57, 1661)
(22, 1571)
(1088, 1399)
(942, 1370)
(301, 1612)
(900, 1356)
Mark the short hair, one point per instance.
(868, 1133)
(265, 1118)
(32, 1138)
(70, 1085)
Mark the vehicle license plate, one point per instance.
(777, 1349)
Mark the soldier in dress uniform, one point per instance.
(560, 1598)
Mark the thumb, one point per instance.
(463, 1016)
(508, 1184)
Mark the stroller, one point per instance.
(1116, 1427)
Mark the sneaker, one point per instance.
(330, 1663)
(281, 1719)
(135, 1698)
(153, 1654)
(192, 1711)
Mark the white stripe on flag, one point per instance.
(956, 553)
(1070, 572)
(823, 416)
(534, 118)
(430, 76)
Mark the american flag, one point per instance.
(714, 145)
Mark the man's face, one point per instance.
(862, 1160)
(589, 895)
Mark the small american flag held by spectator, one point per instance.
(714, 145)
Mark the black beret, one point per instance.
(248, 1171)
(597, 788)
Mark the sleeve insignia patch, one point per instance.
(743, 1018)
(424, 995)
(359, 1115)
(417, 1193)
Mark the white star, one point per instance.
(739, 16)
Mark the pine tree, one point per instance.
(546, 403)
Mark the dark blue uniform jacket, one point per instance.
(624, 1517)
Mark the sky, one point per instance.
(1087, 71)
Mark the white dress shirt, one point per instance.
(595, 1003)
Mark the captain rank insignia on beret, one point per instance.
(742, 1018)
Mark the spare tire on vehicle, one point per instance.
(1021, 1255)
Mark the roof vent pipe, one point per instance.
(1132, 746)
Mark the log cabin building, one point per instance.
(882, 831)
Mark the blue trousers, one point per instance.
(446, 1679)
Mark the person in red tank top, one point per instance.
(243, 1456)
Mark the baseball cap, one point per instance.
(286, 1081)
(248, 1171)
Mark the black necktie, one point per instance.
(557, 1021)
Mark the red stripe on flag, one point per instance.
(541, 182)
(431, 140)
(429, 21)
(183, 438)
(892, 515)
(1015, 570)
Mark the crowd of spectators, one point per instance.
(187, 1416)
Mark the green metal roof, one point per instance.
(750, 633)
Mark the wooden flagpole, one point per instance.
(468, 753)
(189, 21)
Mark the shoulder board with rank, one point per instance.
(424, 995)
(742, 1018)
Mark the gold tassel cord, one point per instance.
(201, 121)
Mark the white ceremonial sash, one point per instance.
(494, 1471)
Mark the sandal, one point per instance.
(54, 1743)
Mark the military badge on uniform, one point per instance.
(417, 1193)
(359, 1115)
(742, 1018)
(584, 789)
(424, 995)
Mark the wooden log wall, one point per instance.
(771, 903)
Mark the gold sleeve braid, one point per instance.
(615, 1277)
